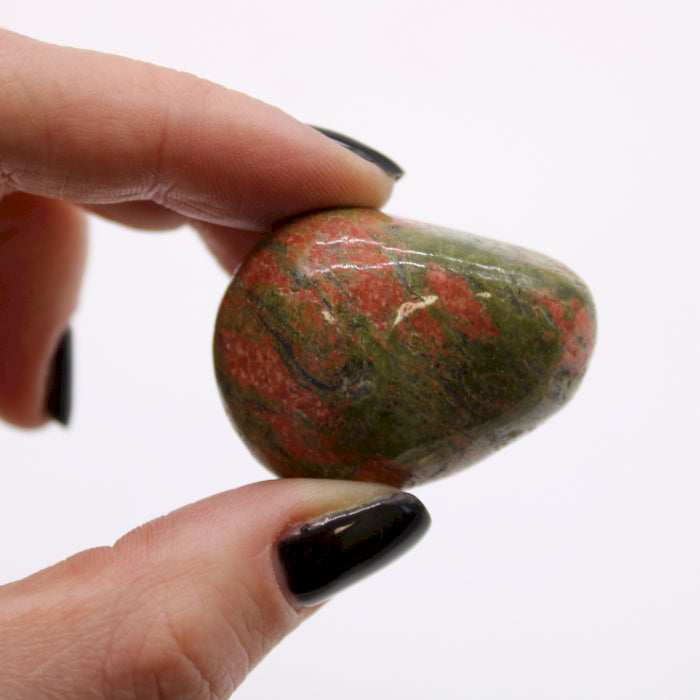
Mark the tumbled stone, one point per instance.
(355, 345)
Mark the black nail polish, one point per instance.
(326, 555)
(379, 159)
(58, 399)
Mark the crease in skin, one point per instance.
(11, 176)
(8, 180)
(158, 189)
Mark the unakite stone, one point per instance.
(355, 345)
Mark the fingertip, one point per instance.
(59, 392)
(216, 564)
(322, 557)
(43, 246)
(384, 163)
(368, 176)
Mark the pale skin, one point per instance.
(186, 605)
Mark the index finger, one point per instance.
(93, 128)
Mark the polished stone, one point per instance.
(355, 345)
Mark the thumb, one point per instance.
(187, 605)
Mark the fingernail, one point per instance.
(379, 159)
(326, 555)
(58, 400)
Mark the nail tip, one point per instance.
(390, 167)
(58, 399)
(327, 555)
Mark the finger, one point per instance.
(229, 246)
(99, 129)
(42, 256)
(148, 216)
(187, 605)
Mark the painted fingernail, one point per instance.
(58, 400)
(360, 149)
(326, 555)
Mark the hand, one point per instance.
(185, 606)
(148, 147)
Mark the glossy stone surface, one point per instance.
(354, 345)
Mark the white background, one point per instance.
(566, 566)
